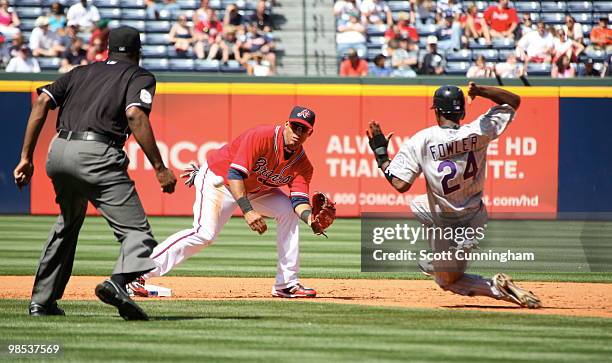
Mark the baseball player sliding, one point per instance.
(452, 158)
(248, 173)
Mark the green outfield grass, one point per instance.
(241, 252)
(306, 332)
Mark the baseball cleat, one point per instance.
(426, 267)
(137, 288)
(520, 296)
(295, 291)
(42, 310)
(110, 293)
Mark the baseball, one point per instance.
(218, 181)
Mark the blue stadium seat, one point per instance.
(480, 5)
(204, 65)
(233, 67)
(32, 13)
(579, 6)
(376, 40)
(48, 63)
(376, 29)
(138, 24)
(372, 53)
(107, 4)
(153, 26)
(583, 18)
(426, 29)
(114, 24)
(602, 6)
(188, 4)
(29, 3)
(502, 43)
(132, 4)
(154, 51)
(473, 44)
(399, 5)
(489, 54)
(155, 64)
(527, 6)
(534, 16)
(156, 39)
(456, 68)
(553, 6)
(134, 14)
(538, 69)
(596, 17)
(27, 24)
(181, 65)
(553, 18)
(503, 54)
(110, 13)
(173, 54)
(463, 55)
(216, 4)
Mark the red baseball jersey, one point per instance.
(258, 153)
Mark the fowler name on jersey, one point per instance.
(448, 149)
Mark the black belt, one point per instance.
(91, 136)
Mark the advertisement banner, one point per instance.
(521, 165)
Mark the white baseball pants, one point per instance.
(213, 207)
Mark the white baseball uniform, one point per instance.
(453, 162)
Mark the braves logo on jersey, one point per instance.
(267, 177)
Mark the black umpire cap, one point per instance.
(124, 39)
(303, 116)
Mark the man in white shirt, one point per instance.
(83, 15)
(536, 47)
(23, 62)
(374, 12)
(43, 41)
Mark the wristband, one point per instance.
(305, 215)
(244, 204)
(381, 155)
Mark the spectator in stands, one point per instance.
(527, 26)
(592, 69)
(44, 42)
(228, 45)
(448, 34)
(601, 37)
(343, 9)
(380, 68)
(73, 57)
(9, 21)
(201, 14)
(510, 68)
(405, 24)
(562, 68)
(502, 20)
(448, 8)
(83, 15)
(474, 26)
(433, 62)
(181, 35)
(573, 29)
(66, 36)
(351, 36)
(257, 41)
(261, 17)
(562, 44)
(537, 46)
(57, 18)
(423, 10)
(101, 31)
(479, 69)
(16, 44)
(232, 16)
(258, 66)
(376, 12)
(96, 53)
(165, 9)
(404, 58)
(353, 66)
(206, 32)
(23, 62)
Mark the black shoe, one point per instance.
(110, 293)
(42, 310)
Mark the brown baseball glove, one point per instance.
(323, 213)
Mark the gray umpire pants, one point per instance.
(92, 171)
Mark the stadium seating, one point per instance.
(538, 69)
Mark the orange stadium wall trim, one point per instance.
(192, 119)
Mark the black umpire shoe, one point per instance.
(110, 293)
(42, 310)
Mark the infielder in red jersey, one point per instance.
(248, 173)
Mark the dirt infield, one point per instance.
(576, 299)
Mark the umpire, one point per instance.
(100, 105)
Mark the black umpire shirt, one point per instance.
(95, 97)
